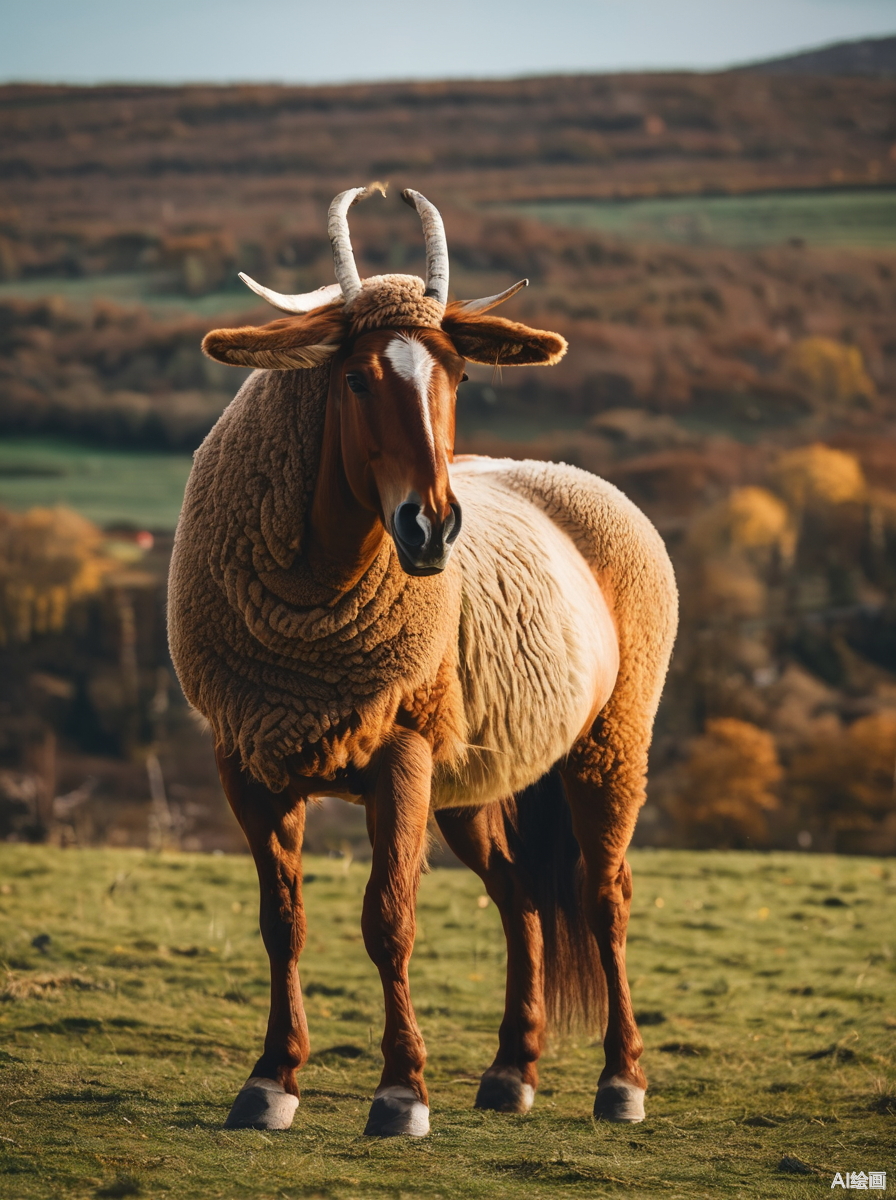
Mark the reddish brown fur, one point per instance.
(482, 338)
(385, 439)
(280, 344)
(398, 812)
(479, 838)
(274, 825)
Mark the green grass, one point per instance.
(835, 218)
(138, 488)
(130, 289)
(145, 488)
(770, 980)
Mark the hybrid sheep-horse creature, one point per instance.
(356, 612)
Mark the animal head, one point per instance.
(396, 349)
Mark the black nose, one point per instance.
(422, 549)
(411, 527)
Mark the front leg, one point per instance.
(397, 813)
(274, 824)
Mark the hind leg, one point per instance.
(605, 777)
(478, 838)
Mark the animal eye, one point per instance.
(464, 378)
(356, 383)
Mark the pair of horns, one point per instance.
(348, 283)
(433, 233)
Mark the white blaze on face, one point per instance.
(412, 361)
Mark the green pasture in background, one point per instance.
(144, 489)
(134, 999)
(132, 288)
(834, 218)
(111, 487)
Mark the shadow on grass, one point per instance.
(124, 1185)
(345, 1050)
(66, 1025)
(87, 1096)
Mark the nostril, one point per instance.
(451, 524)
(408, 528)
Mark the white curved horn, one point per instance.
(436, 244)
(305, 303)
(487, 302)
(337, 230)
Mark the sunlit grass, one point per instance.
(834, 218)
(766, 986)
(135, 288)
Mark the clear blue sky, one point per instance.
(296, 41)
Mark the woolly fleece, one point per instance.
(486, 659)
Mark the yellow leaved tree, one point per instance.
(848, 781)
(817, 476)
(725, 786)
(829, 371)
(752, 520)
(729, 549)
(49, 559)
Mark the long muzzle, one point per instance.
(423, 541)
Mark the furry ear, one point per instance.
(287, 344)
(494, 341)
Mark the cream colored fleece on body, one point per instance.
(503, 657)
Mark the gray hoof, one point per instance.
(501, 1089)
(619, 1100)
(396, 1111)
(262, 1104)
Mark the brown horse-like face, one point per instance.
(397, 391)
(393, 392)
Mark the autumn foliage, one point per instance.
(726, 786)
(847, 780)
(50, 558)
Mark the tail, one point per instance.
(538, 827)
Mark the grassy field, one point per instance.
(139, 488)
(835, 218)
(134, 1002)
(135, 288)
(145, 488)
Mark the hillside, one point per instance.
(155, 198)
(874, 58)
(158, 196)
(118, 166)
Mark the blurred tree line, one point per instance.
(787, 663)
(734, 341)
(777, 728)
(96, 741)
